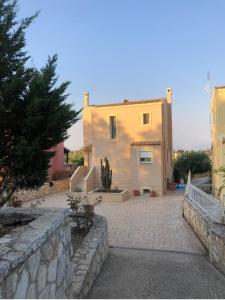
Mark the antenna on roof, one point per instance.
(207, 88)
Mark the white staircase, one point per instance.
(79, 187)
(82, 180)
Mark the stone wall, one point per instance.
(88, 259)
(211, 234)
(45, 189)
(35, 259)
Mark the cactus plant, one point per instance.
(106, 175)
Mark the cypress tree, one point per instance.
(34, 113)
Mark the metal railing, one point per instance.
(206, 203)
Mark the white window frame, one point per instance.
(142, 118)
(145, 150)
(145, 188)
(109, 135)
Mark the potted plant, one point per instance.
(172, 186)
(136, 192)
(152, 193)
(89, 207)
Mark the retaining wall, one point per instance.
(35, 259)
(89, 258)
(45, 189)
(210, 233)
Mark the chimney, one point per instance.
(86, 99)
(169, 95)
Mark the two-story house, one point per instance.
(136, 137)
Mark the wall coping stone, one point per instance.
(21, 242)
(93, 250)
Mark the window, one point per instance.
(145, 157)
(146, 119)
(112, 128)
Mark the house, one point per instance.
(135, 136)
(218, 137)
(59, 164)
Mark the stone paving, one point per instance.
(144, 222)
(150, 223)
(142, 274)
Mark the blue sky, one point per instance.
(119, 49)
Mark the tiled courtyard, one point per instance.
(144, 222)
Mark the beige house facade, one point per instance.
(135, 136)
(218, 137)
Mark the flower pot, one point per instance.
(89, 209)
(172, 186)
(136, 192)
(17, 203)
(152, 193)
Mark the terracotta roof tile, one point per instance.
(146, 143)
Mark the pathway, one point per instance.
(129, 273)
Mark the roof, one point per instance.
(219, 87)
(66, 150)
(146, 143)
(130, 102)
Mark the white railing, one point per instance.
(81, 171)
(206, 203)
(89, 181)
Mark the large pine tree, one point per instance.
(34, 114)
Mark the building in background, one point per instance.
(60, 167)
(136, 137)
(218, 137)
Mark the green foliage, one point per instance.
(77, 157)
(82, 211)
(106, 175)
(34, 114)
(196, 161)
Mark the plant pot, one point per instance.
(17, 203)
(152, 194)
(172, 186)
(89, 209)
(136, 192)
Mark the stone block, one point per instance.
(52, 270)
(47, 251)
(45, 293)
(60, 270)
(52, 292)
(41, 277)
(60, 293)
(22, 285)
(4, 268)
(11, 284)
(31, 294)
(33, 264)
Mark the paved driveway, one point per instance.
(142, 274)
(144, 222)
(150, 223)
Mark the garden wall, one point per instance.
(45, 189)
(89, 258)
(35, 259)
(211, 234)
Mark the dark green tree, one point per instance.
(196, 161)
(34, 114)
